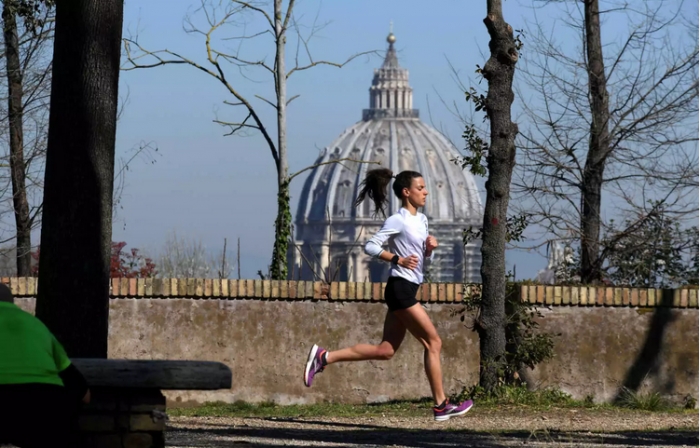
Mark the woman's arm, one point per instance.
(392, 226)
(430, 245)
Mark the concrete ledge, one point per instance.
(155, 374)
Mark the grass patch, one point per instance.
(522, 396)
(642, 401)
(505, 397)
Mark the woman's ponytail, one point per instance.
(375, 186)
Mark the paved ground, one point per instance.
(505, 428)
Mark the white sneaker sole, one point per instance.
(443, 418)
(309, 361)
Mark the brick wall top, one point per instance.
(201, 288)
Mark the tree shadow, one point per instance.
(648, 361)
(343, 434)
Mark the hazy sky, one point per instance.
(207, 186)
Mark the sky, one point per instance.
(206, 186)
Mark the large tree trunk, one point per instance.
(598, 147)
(278, 268)
(73, 296)
(15, 114)
(499, 70)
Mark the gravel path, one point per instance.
(487, 428)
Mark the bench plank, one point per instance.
(157, 374)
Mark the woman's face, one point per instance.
(417, 193)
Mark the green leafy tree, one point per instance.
(654, 252)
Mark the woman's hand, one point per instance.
(430, 244)
(410, 262)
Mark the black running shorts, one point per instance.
(400, 294)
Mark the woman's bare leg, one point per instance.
(418, 323)
(392, 337)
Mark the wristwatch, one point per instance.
(395, 259)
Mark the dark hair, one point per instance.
(375, 184)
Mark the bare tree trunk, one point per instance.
(73, 296)
(598, 146)
(278, 268)
(279, 25)
(15, 109)
(223, 273)
(498, 71)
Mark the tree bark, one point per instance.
(598, 146)
(15, 110)
(278, 268)
(73, 295)
(498, 71)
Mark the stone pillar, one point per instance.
(298, 267)
(352, 266)
(123, 418)
(323, 262)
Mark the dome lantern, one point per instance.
(390, 95)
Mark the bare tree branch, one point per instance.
(218, 75)
(653, 90)
(332, 64)
(257, 9)
(218, 16)
(339, 161)
(235, 127)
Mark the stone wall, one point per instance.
(606, 338)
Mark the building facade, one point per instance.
(330, 232)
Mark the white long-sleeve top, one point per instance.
(406, 234)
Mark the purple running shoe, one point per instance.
(452, 410)
(314, 364)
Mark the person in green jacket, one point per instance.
(40, 389)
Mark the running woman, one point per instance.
(410, 249)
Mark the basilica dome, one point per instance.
(329, 227)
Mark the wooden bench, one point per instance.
(127, 408)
